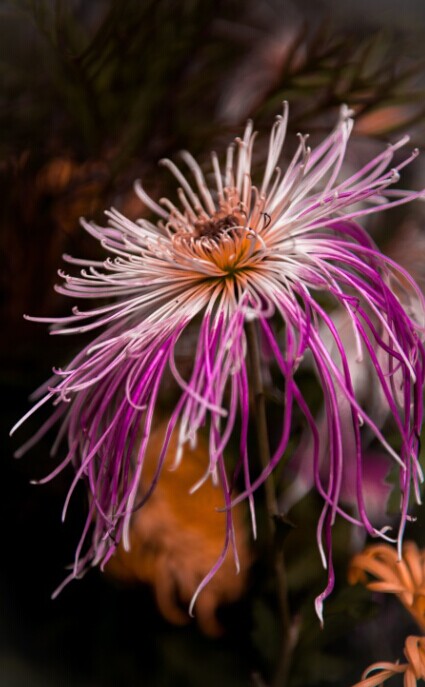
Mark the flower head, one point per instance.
(219, 258)
(403, 577)
(413, 670)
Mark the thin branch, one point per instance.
(259, 406)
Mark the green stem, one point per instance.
(278, 562)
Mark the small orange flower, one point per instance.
(414, 669)
(405, 577)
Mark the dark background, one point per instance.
(92, 94)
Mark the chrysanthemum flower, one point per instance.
(227, 254)
(413, 670)
(403, 577)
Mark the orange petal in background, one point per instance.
(177, 537)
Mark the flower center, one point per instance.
(221, 245)
(215, 228)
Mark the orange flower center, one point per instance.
(221, 245)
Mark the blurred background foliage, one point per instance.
(92, 95)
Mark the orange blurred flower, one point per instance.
(73, 189)
(383, 120)
(177, 537)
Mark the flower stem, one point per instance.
(277, 557)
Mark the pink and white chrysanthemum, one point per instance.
(227, 255)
